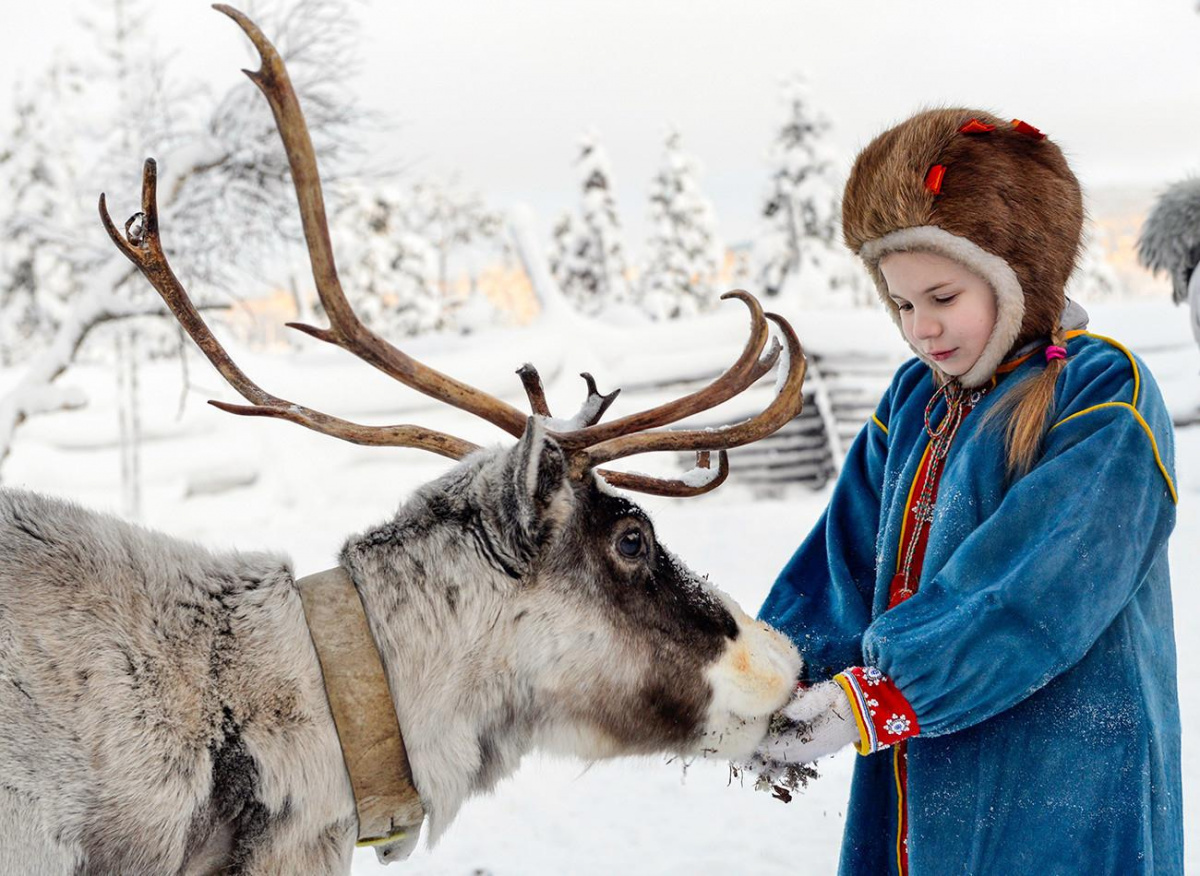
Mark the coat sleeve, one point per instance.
(1026, 595)
(822, 598)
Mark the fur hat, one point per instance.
(995, 196)
(1170, 239)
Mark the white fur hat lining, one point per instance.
(1010, 299)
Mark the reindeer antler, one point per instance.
(588, 444)
(346, 330)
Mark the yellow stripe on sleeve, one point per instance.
(1137, 374)
(863, 745)
(1145, 427)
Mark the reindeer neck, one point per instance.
(455, 697)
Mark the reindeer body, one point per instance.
(162, 708)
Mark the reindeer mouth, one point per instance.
(754, 676)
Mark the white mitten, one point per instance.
(818, 721)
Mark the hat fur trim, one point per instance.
(1010, 298)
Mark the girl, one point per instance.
(984, 608)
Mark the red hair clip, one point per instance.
(976, 127)
(1028, 130)
(933, 179)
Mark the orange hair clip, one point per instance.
(1028, 130)
(976, 127)
(933, 179)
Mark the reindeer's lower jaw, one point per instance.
(754, 676)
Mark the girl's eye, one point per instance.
(630, 544)
(945, 299)
(903, 306)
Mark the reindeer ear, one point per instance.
(537, 477)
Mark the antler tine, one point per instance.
(532, 381)
(590, 411)
(787, 403)
(670, 487)
(596, 403)
(145, 251)
(747, 369)
(346, 330)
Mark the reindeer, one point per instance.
(169, 710)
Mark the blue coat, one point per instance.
(1038, 652)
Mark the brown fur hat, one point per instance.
(1008, 207)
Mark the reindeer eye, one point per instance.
(630, 544)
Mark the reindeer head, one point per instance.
(520, 607)
(546, 611)
(633, 652)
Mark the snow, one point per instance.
(232, 482)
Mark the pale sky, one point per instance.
(500, 91)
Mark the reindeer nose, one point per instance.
(729, 626)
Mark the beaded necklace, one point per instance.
(959, 402)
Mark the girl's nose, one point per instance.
(925, 326)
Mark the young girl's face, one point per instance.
(947, 312)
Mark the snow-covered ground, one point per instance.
(303, 493)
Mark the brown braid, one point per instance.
(1030, 403)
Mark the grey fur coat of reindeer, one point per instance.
(162, 707)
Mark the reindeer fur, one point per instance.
(162, 708)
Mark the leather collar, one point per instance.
(389, 809)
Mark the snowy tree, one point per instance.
(588, 256)
(392, 269)
(396, 246)
(1094, 279)
(37, 174)
(454, 219)
(225, 195)
(683, 256)
(798, 251)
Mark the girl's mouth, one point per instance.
(942, 355)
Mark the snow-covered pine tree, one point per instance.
(37, 175)
(568, 261)
(454, 219)
(397, 245)
(798, 254)
(1094, 279)
(683, 256)
(392, 270)
(588, 255)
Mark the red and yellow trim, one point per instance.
(882, 714)
(908, 502)
(900, 770)
(863, 745)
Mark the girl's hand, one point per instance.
(817, 722)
